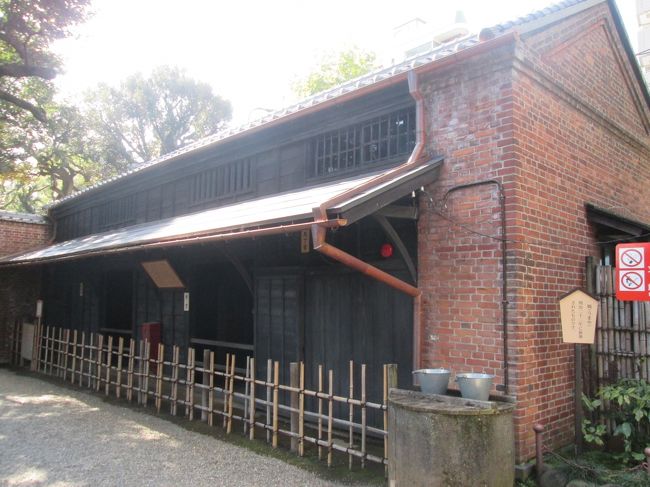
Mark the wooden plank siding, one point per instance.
(280, 155)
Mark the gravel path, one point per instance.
(54, 436)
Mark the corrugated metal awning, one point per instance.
(282, 211)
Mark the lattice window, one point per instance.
(222, 181)
(116, 213)
(374, 141)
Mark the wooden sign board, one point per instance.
(578, 311)
(163, 274)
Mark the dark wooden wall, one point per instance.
(303, 306)
(278, 156)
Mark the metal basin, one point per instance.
(475, 386)
(433, 381)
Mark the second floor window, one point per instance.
(222, 181)
(375, 141)
(116, 213)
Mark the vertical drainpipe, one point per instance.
(504, 266)
(320, 216)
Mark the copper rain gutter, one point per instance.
(187, 240)
(319, 230)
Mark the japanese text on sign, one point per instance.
(578, 312)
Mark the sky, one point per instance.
(251, 51)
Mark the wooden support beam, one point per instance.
(394, 237)
(398, 211)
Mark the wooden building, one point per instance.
(427, 214)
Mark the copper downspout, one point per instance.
(319, 230)
(414, 160)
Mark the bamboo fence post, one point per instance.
(100, 352)
(294, 379)
(59, 357)
(174, 394)
(363, 415)
(189, 387)
(39, 344)
(320, 409)
(204, 389)
(301, 416)
(269, 380)
(109, 361)
(47, 341)
(231, 394)
(46, 358)
(120, 355)
(210, 367)
(276, 380)
(330, 412)
(33, 366)
(246, 388)
(91, 355)
(390, 381)
(81, 358)
(52, 347)
(140, 369)
(129, 370)
(147, 358)
(225, 392)
(159, 376)
(75, 339)
(251, 404)
(351, 414)
(66, 352)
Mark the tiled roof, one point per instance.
(538, 14)
(22, 217)
(382, 74)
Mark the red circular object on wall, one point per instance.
(386, 250)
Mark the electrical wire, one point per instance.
(440, 212)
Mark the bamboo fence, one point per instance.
(622, 347)
(263, 406)
(622, 343)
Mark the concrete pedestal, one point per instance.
(437, 440)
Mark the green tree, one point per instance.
(52, 160)
(147, 117)
(336, 68)
(27, 28)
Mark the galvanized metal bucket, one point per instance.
(475, 386)
(433, 381)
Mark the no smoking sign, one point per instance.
(633, 272)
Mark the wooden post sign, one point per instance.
(578, 314)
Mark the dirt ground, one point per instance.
(58, 436)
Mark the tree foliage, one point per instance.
(116, 128)
(147, 117)
(27, 28)
(49, 150)
(335, 69)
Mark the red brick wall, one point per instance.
(16, 236)
(546, 123)
(18, 286)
